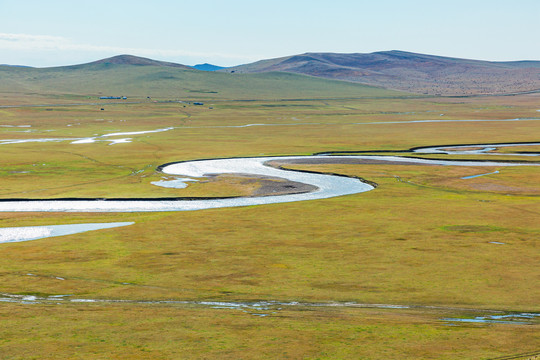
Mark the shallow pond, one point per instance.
(26, 233)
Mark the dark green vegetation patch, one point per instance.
(472, 228)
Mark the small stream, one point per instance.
(526, 318)
(484, 149)
(475, 176)
(270, 308)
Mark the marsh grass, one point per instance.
(119, 331)
(424, 236)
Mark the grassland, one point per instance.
(425, 237)
(164, 82)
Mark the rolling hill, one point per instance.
(135, 60)
(133, 76)
(405, 71)
(310, 75)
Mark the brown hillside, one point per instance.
(410, 72)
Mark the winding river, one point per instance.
(484, 149)
(326, 185)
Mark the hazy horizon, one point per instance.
(225, 66)
(57, 33)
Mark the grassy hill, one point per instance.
(133, 60)
(141, 78)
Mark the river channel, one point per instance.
(325, 185)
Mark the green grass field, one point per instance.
(138, 82)
(425, 238)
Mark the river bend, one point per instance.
(327, 186)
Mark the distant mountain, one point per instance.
(135, 60)
(136, 77)
(410, 72)
(393, 70)
(207, 67)
(19, 66)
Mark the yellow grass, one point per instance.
(423, 237)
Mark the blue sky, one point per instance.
(52, 33)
